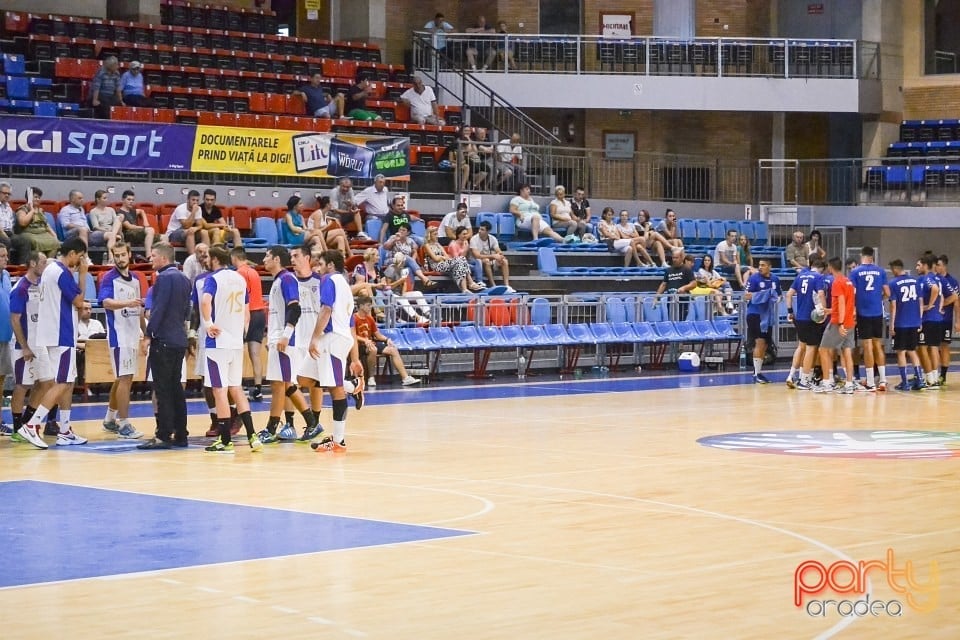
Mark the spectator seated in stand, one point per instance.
(423, 103)
(73, 219)
(720, 289)
(33, 225)
(669, 229)
(293, 227)
(375, 199)
(561, 215)
(631, 231)
(372, 343)
(653, 241)
(356, 101)
(133, 87)
(106, 224)
(437, 259)
(324, 230)
(610, 234)
(402, 250)
(136, 229)
(527, 212)
(320, 103)
(453, 221)
(213, 222)
(344, 203)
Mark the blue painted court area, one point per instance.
(106, 533)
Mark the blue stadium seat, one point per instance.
(718, 231)
(653, 312)
(468, 336)
(603, 333)
(558, 334)
(687, 332)
(418, 228)
(581, 334)
(616, 310)
(443, 338)
(624, 332)
(630, 306)
(372, 227)
(536, 336)
(417, 340)
(708, 331)
(697, 309)
(89, 287)
(18, 87)
(492, 218)
(703, 232)
(45, 109)
(491, 337)
(760, 232)
(507, 226)
(540, 311)
(14, 64)
(667, 331)
(266, 229)
(687, 229)
(396, 335)
(645, 332)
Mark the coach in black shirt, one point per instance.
(166, 343)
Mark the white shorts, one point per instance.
(183, 371)
(27, 373)
(200, 364)
(124, 360)
(283, 367)
(328, 370)
(224, 368)
(62, 363)
(526, 222)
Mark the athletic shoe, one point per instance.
(409, 380)
(69, 438)
(864, 388)
(51, 429)
(846, 389)
(268, 438)
(111, 426)
(311, 431)
(942, 381)
(903, 386)
(327, 444)
(212, 432)
(16, 437)
(804, 386)
(824, 388)
(255, 444)
(791, 383)
(358, 399)
(32, 435)
(881, 386)
(219, 447)
(6, 430)
(362, 236)
(372, 382)
(759, 378)
(918, 385)
(255, 395)
(288, 432)
(128, 432)
(155, 443)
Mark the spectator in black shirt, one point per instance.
(677, 279)
(356, 103)
(580, 205)
(396, 218)
(214, 222)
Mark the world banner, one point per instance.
(65, 142)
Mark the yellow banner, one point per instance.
(279, 152)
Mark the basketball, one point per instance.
(818, 315)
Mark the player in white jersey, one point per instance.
(333, 345)
(60, 298)
(283, 352)
(309, 283)
(31, 369)
(225, 315)
(197, 329)
(121, 296)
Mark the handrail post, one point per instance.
(579, 53)
(506, 53)
(786, 58)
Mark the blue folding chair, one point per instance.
(507, 226)
(512, 336)
(540, 311)
(468, 337)
(491, 337)
(416, 338)
(616, 310)
(266, 229)
(653, 312)
(396, 335)
(557, 333)
(492, 218)
(443, 338)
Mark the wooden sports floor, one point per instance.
(578, 509)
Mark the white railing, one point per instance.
(647, 55)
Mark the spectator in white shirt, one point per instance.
(86, 325)
(343, 203)
(184, 225)
(376, 198)
(510, 160)
(453, 221)
(423, 103)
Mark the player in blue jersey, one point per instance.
(905, 320)
(931, 328)
(870, 282)
(951, 299)
(806, 289)
(762, 295)
(122, 298)
(284, 354)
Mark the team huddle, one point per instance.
(310, 336)
(836, 315)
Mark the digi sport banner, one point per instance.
(61, 142)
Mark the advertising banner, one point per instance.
(125, 145)
(71, 142)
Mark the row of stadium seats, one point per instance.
(929, 130)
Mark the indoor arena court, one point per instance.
(629, 506)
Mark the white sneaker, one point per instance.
(362, 236)
(371, 382)
(409, 380)
(68, 438)
(32, 435)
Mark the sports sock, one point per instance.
(757, 365)
(39, 416)
(793, 371)
(918, 373)
(247, 421)
(903, 375)
(223, 426)
(111, 415)
(943, 372)
(65, 421)
(272, 424)
(870, 377)
(288, 416)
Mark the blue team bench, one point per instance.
(611, 339)
(547, 264)
(43, 108)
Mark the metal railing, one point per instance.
(582, 54)
(468, 91)
(691, 178)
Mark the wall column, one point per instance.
(675, 18)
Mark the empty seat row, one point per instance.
(186, 14)
(929, 130)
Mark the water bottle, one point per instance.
(743, 358)
(521, 367)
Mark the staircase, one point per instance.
(482, 106)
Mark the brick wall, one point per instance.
(933, 102)
(405, 16)
(513, 12)
(642, 14)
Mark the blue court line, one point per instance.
(550, 386)
(105, 533)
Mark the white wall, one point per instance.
(532, 90)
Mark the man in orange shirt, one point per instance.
(258, 318)
(371, 342)
(840, 332)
